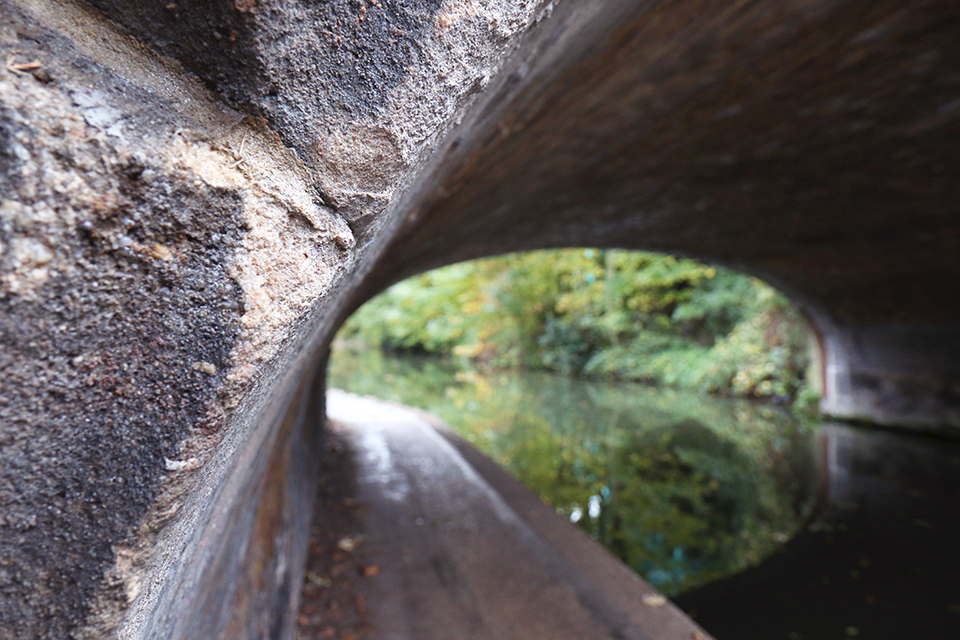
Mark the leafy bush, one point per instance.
(611, 313)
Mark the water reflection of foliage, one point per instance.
(683, 488)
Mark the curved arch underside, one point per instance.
(195, 195)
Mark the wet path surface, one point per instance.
(439, 543)
(880, 561)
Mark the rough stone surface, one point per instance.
(194, 195)
(157, 249)
(342, 82)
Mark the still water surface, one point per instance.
(684, 488)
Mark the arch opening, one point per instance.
(688, 494)
(618, 385)
(605, 314)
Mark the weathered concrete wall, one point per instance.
(194, 195)
(896, 375)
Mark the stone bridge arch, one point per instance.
(196, 195)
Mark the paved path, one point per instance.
(466, 552)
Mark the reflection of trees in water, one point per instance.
(683, 488)
(679, 501)
(680, 504)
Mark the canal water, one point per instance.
(760, 525)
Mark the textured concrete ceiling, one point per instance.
(812, 143)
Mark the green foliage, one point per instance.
(607, 313)
(429, 312)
